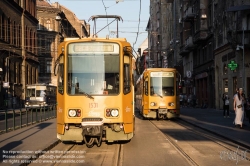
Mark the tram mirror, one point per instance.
(126, 60)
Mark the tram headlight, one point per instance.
(114, 112)
(152, 104)
(72, 113)
(171, 104)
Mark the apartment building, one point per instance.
(56, 22)
(231, 48)
(18, 49)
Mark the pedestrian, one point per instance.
(239, 108)
(225, 99)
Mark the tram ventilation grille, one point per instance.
(91, 119)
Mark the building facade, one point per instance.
(212, 39)
(231, 36)
(56, 22)
(18, 50)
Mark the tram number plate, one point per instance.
(93, 105)
(163, 111)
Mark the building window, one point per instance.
(48, 25)
(48, 66)
(39, 24)
(225, 69)
(48, 45)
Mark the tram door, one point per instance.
(145, 96)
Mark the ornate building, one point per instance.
(55, 23)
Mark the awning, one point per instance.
(238, 8)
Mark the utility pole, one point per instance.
(243, 59)
(175, 30)
(23, 67)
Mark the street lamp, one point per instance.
(243, 59)
(6, 86)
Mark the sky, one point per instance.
(135, 15)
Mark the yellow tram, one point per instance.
(95, 90)
(157, 93)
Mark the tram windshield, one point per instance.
(31, 92)
(93, 69)
(162, 84)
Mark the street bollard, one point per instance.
(14, 120)
(21, 119)
(36, 115)
(40, 114)
(31, 116)
(49, 112)
(26, 116)
(6, 121)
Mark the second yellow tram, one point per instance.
(157, 93)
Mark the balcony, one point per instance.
(184, 51)
(201, 36)
(170, 1)
(189, 45)
(189, 14)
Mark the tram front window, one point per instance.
(93, 74)
(162, 86)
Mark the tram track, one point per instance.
(107, 154)
(177, 147)
(229, 145)
(217, 138)
(214, 133)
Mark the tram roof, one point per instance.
(96, 39)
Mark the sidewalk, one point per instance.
(213, 120)
(33, 138)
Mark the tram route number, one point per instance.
(93, 105)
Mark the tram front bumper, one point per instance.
(92, 126)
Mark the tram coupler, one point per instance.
(92, 130)
(161, 113)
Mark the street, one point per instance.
(184, 141)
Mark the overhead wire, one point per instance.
(138, 25)
(106, 13)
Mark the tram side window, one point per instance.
(127, 81)
(60, 79)
(146, 87)
(126, 74)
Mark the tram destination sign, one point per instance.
(162, 74)
(93, 47)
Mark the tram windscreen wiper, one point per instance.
(158, 95)
(87, 95)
